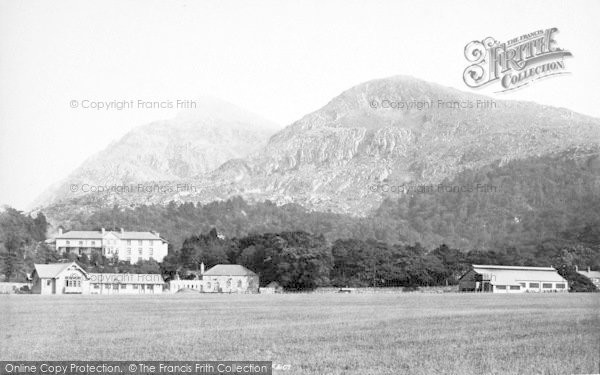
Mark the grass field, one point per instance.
(315, 333)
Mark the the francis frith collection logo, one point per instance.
(515, 63)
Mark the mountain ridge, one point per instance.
(330, 158)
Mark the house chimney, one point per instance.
(576, 268)
(589, 270)
(103, 231)
(122, 230)
(202, 268)
(60, 231)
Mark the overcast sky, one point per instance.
(279, 59)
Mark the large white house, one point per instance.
(512, 279)
(128, 246)
(70, 278)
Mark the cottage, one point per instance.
(512, 279)
(70, 278)
(59, 278)
(222, 278)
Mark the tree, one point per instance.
(304, 268)
(577, 282)
(12, 258)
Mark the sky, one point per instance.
(278, 59)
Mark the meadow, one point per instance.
(404, 333)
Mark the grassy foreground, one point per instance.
(315, 333)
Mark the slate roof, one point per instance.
(97, 235)
(229, 270)
(52, 270)
(511, 275)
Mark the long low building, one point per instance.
(512, 279)
(70, 278)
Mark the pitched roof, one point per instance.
(52, 270)
(511, 275)
(137, 235)
(229, 270)
(97, 235)
(126, 278)
(81, 234)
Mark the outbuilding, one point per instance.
(512, 279)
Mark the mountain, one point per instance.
(193, 143)
(552, 200)
(353, 153)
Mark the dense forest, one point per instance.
(302, 261)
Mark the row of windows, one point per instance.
(532, 286)
(114, 242)
(123, 286)
(73, 283)
(112, 250)
(239, 284)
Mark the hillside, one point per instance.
(330, 160)
(193, 143)
(550, 198)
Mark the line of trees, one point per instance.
(303, 261)
(299, 260)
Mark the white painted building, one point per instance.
(70, 278)
(512, 279)
(127, 246)
(222, 278)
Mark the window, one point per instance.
(534, 285)
(151, 287)
(93, 243)
(229, 283)
(140, 251)
(150, 252)
(140, 242)
(135, 286)
(128, 251)
(68, 242)
(501, 287)
(207, 285)
(123, 286)
(142, 286)
(96, 286)
(139, 259)
(115, 286)
(80, 243)
(560, 286)
(239, 283)
(48, 282)
(547, 285)
(523, 285)
(128, 242)
(515, 287)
